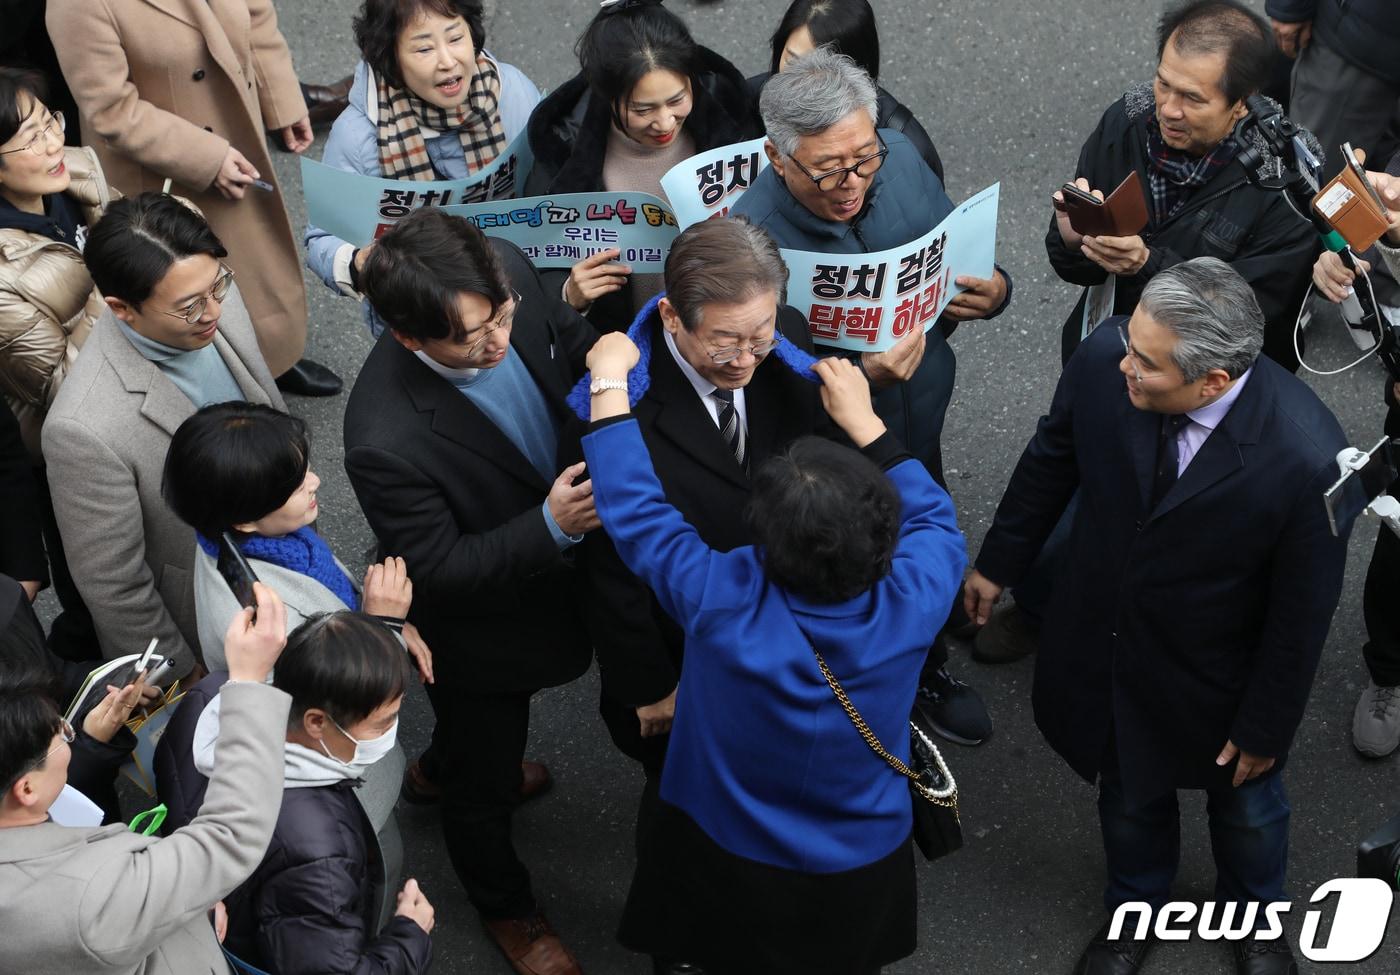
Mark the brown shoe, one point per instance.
(417, 788)
(324, 103)
(1009, 635)
(535, 780)
(532, 947)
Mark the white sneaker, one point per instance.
(1375, 724)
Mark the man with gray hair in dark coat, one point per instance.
(1180, 649)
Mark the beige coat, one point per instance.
(105, 442)
(165, 87)
(47, 303)
(108, 900)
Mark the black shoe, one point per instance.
(953, 710)
(1103, 956)
(308, 378)
(1264, 957)
(664, 966)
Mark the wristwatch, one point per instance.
(603, 385)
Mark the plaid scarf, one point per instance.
(1172, 173)
(403, 152)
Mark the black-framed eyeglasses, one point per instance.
(39, 144)
(864, 168)
(66, 732)
(729, 353)
(505, 320)
(194, 311)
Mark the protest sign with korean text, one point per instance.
(709, 184)
(868, 302)
(560, 230)
(359, 209)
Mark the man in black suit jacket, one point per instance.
(451, 437)
(726, 279)
(1202, 577)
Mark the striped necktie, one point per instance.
(729, 426)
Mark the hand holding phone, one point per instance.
(237, 572)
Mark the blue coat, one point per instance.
(905, 200)
(1177, 628)
(353, 145)
(762, 757)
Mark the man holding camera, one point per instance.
(1178, 135)
(1180, 652)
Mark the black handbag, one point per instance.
(932, 789)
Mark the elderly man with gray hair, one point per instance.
(839, 185)
(1201, 580)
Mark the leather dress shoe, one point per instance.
(535, 780)
(665, 966)
(1264, 957)
(1105, 956)
(417, 787)
(1008, 636)
(324, 103)
(308, 378)
(531, 946)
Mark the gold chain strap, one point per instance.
(948, 802)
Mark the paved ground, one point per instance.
(1008, 91)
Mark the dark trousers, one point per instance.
(1248, 838)
(478, 745)
(1380, 601)
(73, 635)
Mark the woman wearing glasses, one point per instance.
(49, 196)
(648, 97)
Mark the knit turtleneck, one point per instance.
(630, 167)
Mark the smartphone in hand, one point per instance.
(237, 572)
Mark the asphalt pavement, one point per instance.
(1008, 91)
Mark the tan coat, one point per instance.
(47, 303)
(105, 442)
(108, 900)
(165, 87)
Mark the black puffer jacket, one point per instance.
(569, 137)
(312, 904)
(892, 114)
(1255, 231)
(1365, 32)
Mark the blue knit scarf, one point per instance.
(302, 551)
(639, 379)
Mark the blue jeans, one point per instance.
(1248, 837)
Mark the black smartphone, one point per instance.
(237, 572)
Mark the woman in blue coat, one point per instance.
(782, 842)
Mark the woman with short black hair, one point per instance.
(781, 842)
(245, 469)
(847, 27)
(429, 102)
(647, 97)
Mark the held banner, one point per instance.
(867, 302)
(560, 230)
(359, 209)
(707, 185)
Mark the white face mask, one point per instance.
(368, 751)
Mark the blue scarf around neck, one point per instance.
(302, 551)
(639, 379)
